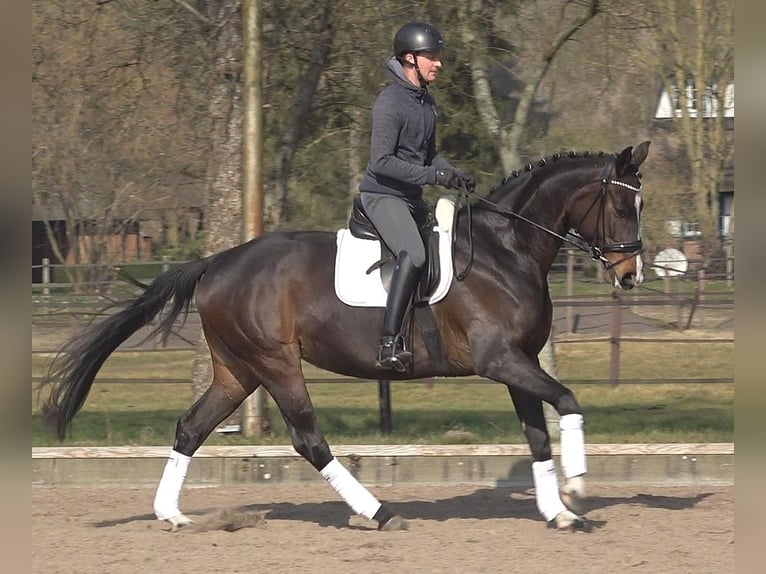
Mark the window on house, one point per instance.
(711, 100)
(690, 100)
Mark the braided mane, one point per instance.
(513, 187)
(542, 162)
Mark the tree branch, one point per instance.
(196, 14)
(513, 134)
(593, 9)
(183, 4)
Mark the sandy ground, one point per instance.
(305, 528)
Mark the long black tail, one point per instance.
(72, 372)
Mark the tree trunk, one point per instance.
(355, 143)
(223, 201)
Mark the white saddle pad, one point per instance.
(355, 287)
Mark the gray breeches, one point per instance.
(395, 219)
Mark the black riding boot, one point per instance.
(391, 352)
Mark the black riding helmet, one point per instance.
(417, 37)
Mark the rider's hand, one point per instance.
(452, 178)
(469, 181)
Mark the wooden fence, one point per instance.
(646, 315)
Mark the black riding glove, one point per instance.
(452, 178)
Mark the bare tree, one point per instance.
(300, 110)
(695, 64)
(105, 146)
(507, 134)
(73, 174)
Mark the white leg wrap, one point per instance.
(356, 496)
(169, 489)
(572, 446)
(576, 485)
(547, 489)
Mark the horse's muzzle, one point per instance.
(625, 274)
(628, 281)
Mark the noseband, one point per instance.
(595, 251)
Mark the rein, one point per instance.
(594, 251)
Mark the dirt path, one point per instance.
(458, 529)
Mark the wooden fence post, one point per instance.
(614, 341)
(729, 252)
(384, 401)
(681, 298)
(570, 289)
(46, 275)
(701, 297)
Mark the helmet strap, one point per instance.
(421, 79)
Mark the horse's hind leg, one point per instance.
(294, 402)
(559, 508)
(218, 402)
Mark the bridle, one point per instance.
(595, 252)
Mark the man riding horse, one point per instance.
(403, 158)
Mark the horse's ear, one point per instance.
(630, 159)
(623, 161)
(640, 153)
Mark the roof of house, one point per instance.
(47, 213)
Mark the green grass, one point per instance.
(446, 411)
(648, 360)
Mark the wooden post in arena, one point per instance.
(614, 343)
(254, 409)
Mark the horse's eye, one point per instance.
(621, 209)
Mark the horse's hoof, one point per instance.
(567, 520)
(178, 522)
(395, 523)
(572, 499)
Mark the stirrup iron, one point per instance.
(393, 355)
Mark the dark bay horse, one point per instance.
(267, 304)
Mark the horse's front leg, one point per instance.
(573, 461)
(529, 385)
(559, 507)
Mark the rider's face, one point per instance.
(429, 64)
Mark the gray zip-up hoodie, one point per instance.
(403, 154)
